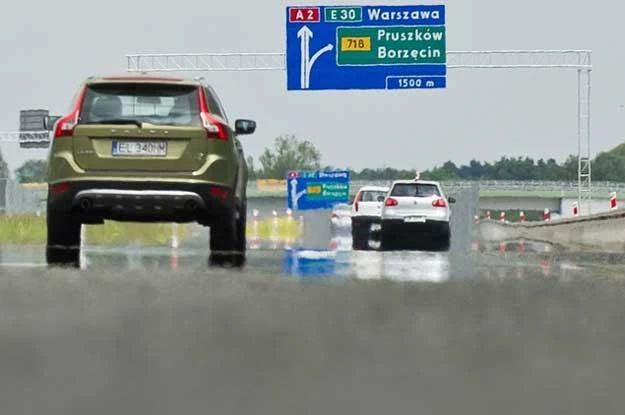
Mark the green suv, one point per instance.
(147, 149)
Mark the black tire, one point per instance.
(63, 243)
(443, 242)
(374, 235)
(241, 242)
(387, 239)
(226, 240)
(360, 234)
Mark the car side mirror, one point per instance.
(244, 127)
(451, 200)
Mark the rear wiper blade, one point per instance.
(117, 121)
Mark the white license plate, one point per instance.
(139, 148)
(415, 219)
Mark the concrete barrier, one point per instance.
(605, 231)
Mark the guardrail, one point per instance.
(556, 187)
(31, 197)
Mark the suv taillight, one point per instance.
(390, 202)
(439, 203)
(65, 126)
(214, 126)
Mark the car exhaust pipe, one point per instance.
(85, 203)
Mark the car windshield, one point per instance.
(415, 190)
(372, 195)
(163, 104)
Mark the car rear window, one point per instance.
(372, 195)
(415, 190)
(164, 104)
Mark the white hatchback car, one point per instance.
(366, 210)
(416, 212)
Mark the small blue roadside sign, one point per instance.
(366, 47)
(310, 190)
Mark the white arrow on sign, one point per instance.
(295, 196)
(306, 61)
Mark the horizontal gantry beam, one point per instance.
(210, 62)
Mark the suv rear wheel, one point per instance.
(227, 238)
(63, 244)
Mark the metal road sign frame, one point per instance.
(364, 48)
(24, 137)
(579, 60)
(299, 182)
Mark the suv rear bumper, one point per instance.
(94, 202)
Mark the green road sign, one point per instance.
(390, 45)
(324, 190)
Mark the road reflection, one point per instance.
(510, 260)
(400, 266)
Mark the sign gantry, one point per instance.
(358, 47)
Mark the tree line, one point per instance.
(291, 153)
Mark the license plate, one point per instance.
(415, 219)
(139, 148)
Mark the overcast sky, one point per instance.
(47, 48)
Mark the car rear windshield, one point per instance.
(372, 195)
(415, 190)
(164, 104)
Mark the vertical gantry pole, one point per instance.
(584, 169)
(579, 140)
(588, 74)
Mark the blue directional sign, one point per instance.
(310, 190)
(366, 47)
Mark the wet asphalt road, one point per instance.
(149, 331)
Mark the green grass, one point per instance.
(22, 229)
(31, 229)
